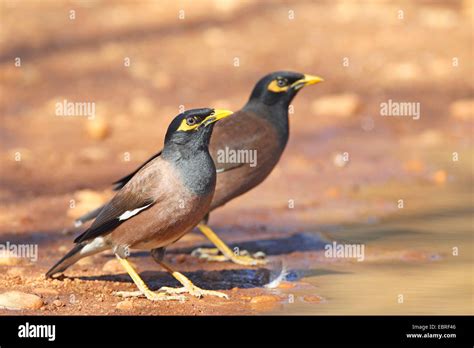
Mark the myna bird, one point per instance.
(260, 126)
(161, 202)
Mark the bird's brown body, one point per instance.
(175, 214)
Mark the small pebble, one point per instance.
(264, 298)
(265, 302)
(58, 303)
(286, 285)
(15, 300)
(124, 305)
(340, 160)
(98, 129)
(439, 177)
(313, 299)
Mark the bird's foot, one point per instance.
(243, 258)
(194, 291)
(151, 295)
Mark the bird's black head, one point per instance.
(194, 127)
(281, 87)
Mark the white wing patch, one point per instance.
(129, 213)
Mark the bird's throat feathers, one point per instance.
(189, 154)
(276, 115)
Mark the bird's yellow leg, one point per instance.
(188, 285)
(143, 288)
(227, 253)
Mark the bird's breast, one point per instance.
(177, 210)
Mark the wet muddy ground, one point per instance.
(55, 168)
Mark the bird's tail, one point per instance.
(69, 259)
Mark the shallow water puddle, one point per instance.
(416, 262)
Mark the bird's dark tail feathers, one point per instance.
(69, 259)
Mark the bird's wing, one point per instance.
(122, 181)
(136, 196)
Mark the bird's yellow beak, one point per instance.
(311, 80)
(306, 81)
(217, 115)
(220, 114)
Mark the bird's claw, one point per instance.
(243, 258)
(194, 291)
(205, 251)
(152, 296)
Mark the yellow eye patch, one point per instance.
(273, 86)
(185, 127)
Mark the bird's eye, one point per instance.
(281, 82)
(191, 121)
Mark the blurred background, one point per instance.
(141, 61)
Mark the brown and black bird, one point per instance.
(158, 204)
(261, 126)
